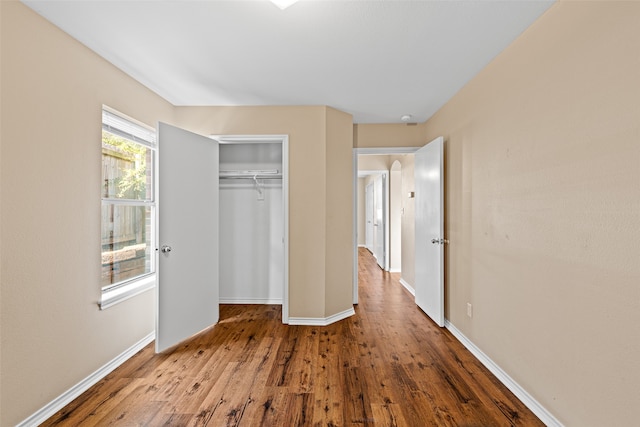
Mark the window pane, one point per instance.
(126, 242)
(127, 168)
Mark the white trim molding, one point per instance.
(528, 400)
(386, 150)
(233, 300)
(116, 295)
(321, 321)
(65, 398)
(408, 287)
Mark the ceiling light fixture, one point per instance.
(283, 4)
(405, 118)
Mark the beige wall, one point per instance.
(316, 188)
(543, 210)
(395, 216)
(388, 135)
(373, 162)
(53, 334)
(307, 187)
(339, 212)
(542, 169)
(542, 183)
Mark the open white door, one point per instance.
(379, 221)
(188, 235)
(369, 217)
(429, 229)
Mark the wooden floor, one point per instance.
(388, 365)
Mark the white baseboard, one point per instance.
(395, 270)
(408, 287)
(362, 246)
(61, 401)
(65, 398)
(528, 400)
(321, 321)
(277, 301)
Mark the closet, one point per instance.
(251, 221)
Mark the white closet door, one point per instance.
(429, 230)
(188, 235)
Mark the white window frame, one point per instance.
(117, 123)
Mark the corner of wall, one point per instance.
(339, 212)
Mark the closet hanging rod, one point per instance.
(251, 176)
(250, 172)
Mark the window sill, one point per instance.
(115, 296)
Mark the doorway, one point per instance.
(392, 170)
(254, 220)
(429, 177)
(375, 216)
(188, 290)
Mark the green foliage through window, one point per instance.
(125, 164)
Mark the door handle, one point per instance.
(165, 249)
(439, 241)
(435, 241)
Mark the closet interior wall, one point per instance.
(251, 224)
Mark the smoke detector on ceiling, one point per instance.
(406, 118)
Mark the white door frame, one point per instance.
(356, 153)
(284, 140)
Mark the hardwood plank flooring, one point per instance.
(388, 365)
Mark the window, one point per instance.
(128, 207)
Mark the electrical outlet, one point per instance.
(469, 310)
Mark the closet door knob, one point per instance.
(165, 249)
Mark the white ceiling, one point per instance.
(377, 60)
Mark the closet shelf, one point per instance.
(251, 174)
